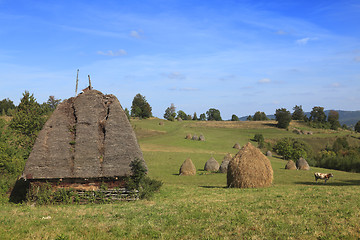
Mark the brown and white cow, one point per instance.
(323, 176)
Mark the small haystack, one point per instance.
(302, 164)
(250, 168)
(269, 153)
(161, 123)
(179, 119)
(290, 165)
(224, 165)
(187, 168)
(237, 146)
(201, 138)
(195, 137)
(188, 136)
(211, 165)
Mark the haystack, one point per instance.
(302, 164)
(290, 165)
(201, 138)
(211, 165)
(224, 165)
(195, 137)
(88, 138)
(237, 146)
(250, 168)
(188, 136)
(269, 153)
(187, 168)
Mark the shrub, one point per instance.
(260, 139)
(292, 148)
(357, 127)
(139, 181)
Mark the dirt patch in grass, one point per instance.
(148, 147)
(144, 133)
(237, 124)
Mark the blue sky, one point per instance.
(237, 56)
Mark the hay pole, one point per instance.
(77, 82)
(89, 83)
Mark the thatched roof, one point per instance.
(187, 168)
(224, 165)
(211, 165)
(302, 164)
(88, 136)
(250, 168)
(290, 165)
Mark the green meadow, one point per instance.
(201, 206)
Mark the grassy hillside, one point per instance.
(201, 207)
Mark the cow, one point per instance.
(323, 176)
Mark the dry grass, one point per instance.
(233, 124)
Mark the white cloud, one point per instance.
(264, 80)
(335, 85)
(186, 89)
(175, 75)
(281, 32)
(136, 34)
(120, 52)
(304, 41)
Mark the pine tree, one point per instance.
(140, 107)
(28, 119)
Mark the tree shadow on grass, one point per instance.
(270, 124)
(329, 183)
(218, 187)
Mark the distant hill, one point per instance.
(350, 118)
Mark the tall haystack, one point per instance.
(290, 165)
(211, 165)
(195, 137)
(187, 168)
(302, 164)
(237, 146)
(224, 165)
(87, 140)
(188, 136)
(250, 168)
(201, 138)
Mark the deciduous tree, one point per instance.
(170, 113)
(318, 115)
(333, 119)
(283, 117)
(357, 127)
(298, 113)
(260, 116)
(234, 118)
(213, 115)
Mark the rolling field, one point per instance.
(201, 207)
